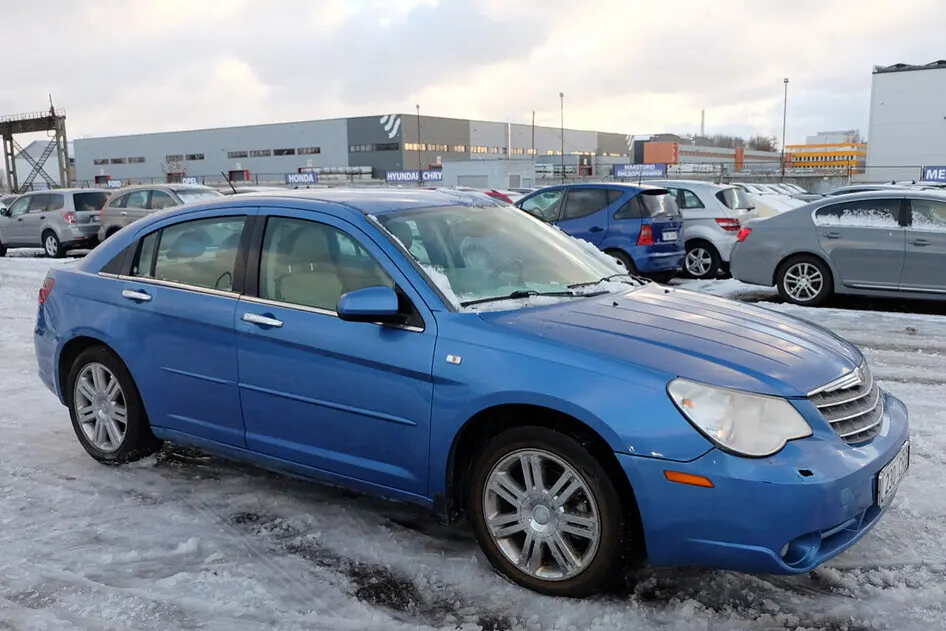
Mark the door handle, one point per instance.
(42, 216)
(255, 318)
(832, 235)
(20, 219)
(137, 296)
(124, 213)
(920, 242)
(595, 229)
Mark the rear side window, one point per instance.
(38, 203)
(90, 201)
(160, 199)
(582, 202)
(118, 202)
(866, 213)
(735, 199)
(654, 203)
(138, 200)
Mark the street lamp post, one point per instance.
(420, 169)
(784, 119)
(561, 96)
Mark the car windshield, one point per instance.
(735, 198)
(91, 201)
(478, 254)
(197, 194)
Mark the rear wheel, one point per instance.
(546, 514)
(106, 410)
(52, 246)
(3, 250)
(701, 260)
(805, 280)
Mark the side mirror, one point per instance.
(371, 304)
(4, 211)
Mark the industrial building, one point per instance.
(376, 144)
(829, 152)
(907, 129)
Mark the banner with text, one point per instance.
(302, 178)
(411, 176)
(934, 174)
(640, 170)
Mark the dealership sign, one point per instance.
(640, 170)
(934, 174)
(411, 176)
(302, 178)
(190, 180)
(114, 183)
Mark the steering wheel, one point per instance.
(505, 266)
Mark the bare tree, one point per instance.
(763, 143)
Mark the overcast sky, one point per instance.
(629, 66)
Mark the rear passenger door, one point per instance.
(585, 213)
(179, 301)
(924, 265)
(865, 240)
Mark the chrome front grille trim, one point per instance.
(852, 405)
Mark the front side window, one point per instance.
(928, 215)
(476, 253)
(867, 213)
(312, 264)
(582, 202)
(687, 200)
(20, 207)
(545, 205)
(118, 202)
(200, 253)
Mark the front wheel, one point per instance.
(106, 409)
(546, 514)
(804, 280)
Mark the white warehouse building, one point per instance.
(907, 129)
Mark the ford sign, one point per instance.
(411, 176)
(934, 174)
(302, 178)
(638, 171)
(114, 183)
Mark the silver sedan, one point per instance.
(881, 243)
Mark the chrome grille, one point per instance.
(852, 405)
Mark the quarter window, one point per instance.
(199, 253)
(868, 213)
(928, 215)
(310, 264)
(546, 205)
(582, 202)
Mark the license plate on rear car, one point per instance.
(890, 476)
(670, 235)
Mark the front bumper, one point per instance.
(817, 495)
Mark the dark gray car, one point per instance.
(134, 202)
(881, 243)
(57, 220)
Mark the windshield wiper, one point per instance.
(639, 279)
(519, 293)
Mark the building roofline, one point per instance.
(939, 64)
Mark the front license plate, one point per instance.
(670, 235)
(890, 476)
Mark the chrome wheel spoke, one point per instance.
(112, 390)
(120, 414)
(86, 389)
(579, 526)
(507, 489)
(530, 557)
(563, 553)
(532, 472)
(100, 407)
(502, 526)
(86, 414)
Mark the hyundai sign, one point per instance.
(411, 176)
(934, 174)
(638, 171)
(302, 178)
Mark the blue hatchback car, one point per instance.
(641, 226)
(580, 418)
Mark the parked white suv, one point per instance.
(713, 215)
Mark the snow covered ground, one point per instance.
(188, 541)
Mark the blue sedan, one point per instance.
(478, 362)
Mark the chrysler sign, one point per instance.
(411, 176)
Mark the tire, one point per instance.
(663, 277)
(628, 262)
(536, 515)
(52, 246)
(3, 250)
(724, 270)
(818, 275)
(95, 415)
(701, 260)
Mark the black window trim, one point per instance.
(902, 212)
(253, 260)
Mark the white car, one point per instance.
(713, 215)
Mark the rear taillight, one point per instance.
(745, 232)
(646, 236)
(728, 224)
(46, 289)
(69, 216)
(499, 195)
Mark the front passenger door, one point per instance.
(11, 229)
(865, 240)
(924, 267)
(348, 399)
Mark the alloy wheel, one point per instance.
(698, 261)
(52, 245)
(803, 281)
(542, 515)
(101, 407)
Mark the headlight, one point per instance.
(747, 424)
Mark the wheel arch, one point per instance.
(75, 346)
(477, 431)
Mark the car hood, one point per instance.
(697, 336)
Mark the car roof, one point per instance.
(697, 183)
(161, 185)
(62, 191)
(373, 201)
(885, 193)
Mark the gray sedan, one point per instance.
(882, 243)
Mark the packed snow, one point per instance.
(184, 540)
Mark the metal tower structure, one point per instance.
(31, 123)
